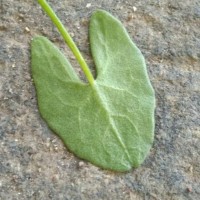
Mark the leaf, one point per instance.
(109, 123)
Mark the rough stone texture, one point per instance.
(34, 164)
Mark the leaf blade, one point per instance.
(101, 123)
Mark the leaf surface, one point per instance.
(109, 123)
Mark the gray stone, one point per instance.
(34, 163)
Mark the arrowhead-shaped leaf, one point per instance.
(109, 123)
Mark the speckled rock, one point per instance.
(34, 163)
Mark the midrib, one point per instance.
(105, 106)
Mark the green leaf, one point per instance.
(110, 122)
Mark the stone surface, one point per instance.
(34, 163)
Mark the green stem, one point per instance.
(68, 40)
